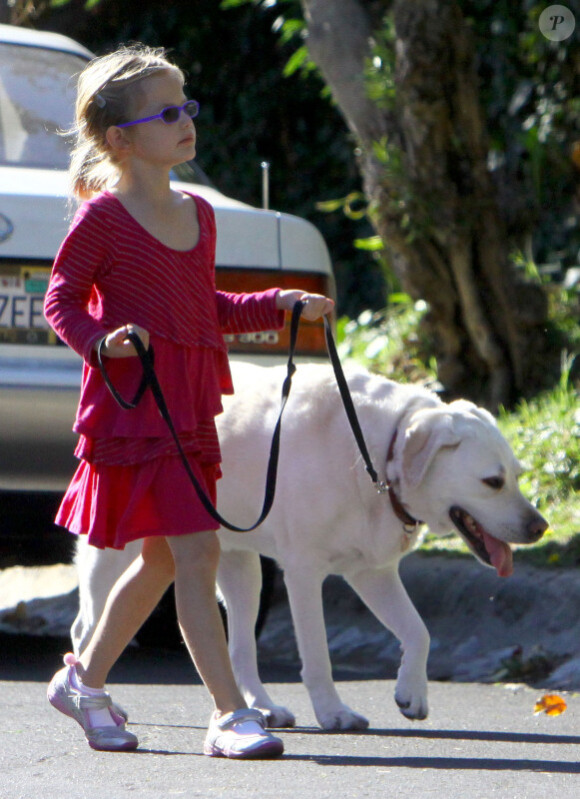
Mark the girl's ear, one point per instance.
(118, 140)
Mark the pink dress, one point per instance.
(109, 271)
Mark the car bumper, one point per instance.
(38, 401)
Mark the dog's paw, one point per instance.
(342, 718)
(278, 716)
(412, 704)
(411, 690)
(416, 711)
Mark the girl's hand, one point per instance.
(117, 345)
(316, 305)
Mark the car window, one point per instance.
(37, 95)
(37, 91)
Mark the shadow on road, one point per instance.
(27, 658)
(449, 763)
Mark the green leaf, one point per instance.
(400, 298)
(370, 244)
(328, 206)
(234, 3)
(297, 61)
(291, 28)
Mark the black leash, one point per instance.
(410, 524)
(150, 380)
(349, 407)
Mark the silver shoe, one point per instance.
(241, 734)
(71, 702)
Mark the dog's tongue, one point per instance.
(500, 555)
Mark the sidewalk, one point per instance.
(479, 741)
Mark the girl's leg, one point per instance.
(235, 730)
(130, 603)
(77, 690)
(196, 559)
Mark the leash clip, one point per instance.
(382, 487)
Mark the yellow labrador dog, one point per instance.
(447, 465)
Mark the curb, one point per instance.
(525, 628)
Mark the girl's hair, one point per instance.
(105, 89)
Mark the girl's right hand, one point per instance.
(117, 345)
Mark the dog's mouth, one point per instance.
(489, 550)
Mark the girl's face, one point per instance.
(156, 142)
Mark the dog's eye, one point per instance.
(494, 482)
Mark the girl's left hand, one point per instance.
(315, 305)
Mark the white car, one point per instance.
(39, 377)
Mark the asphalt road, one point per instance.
(479, 741)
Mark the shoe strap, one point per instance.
(230, 720)
(84, 702)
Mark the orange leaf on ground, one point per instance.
(551, 705)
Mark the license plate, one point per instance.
(21, 307)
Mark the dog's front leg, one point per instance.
(304, 587)
(384, 593)
(239, 581)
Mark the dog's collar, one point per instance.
(409, 522)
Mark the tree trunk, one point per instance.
(21, 12)
(424, 166)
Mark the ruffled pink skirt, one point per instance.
(113, 505)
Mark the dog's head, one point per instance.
(455, 470)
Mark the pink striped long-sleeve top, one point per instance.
(110, 271)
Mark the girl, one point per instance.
(140, 256)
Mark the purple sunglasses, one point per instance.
(169, 115)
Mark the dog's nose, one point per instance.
(536, 528)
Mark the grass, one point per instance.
(545, 435)
(544, 432)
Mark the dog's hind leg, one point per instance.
(384, 593)
(93, 589)
(304, 584)
(98, 570)
(239, 581)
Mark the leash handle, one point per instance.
(149, 380)
(126, 404)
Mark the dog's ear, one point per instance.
(465, 406)
(429, 432)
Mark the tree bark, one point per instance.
(437, 213)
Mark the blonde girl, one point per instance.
(139, 256)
